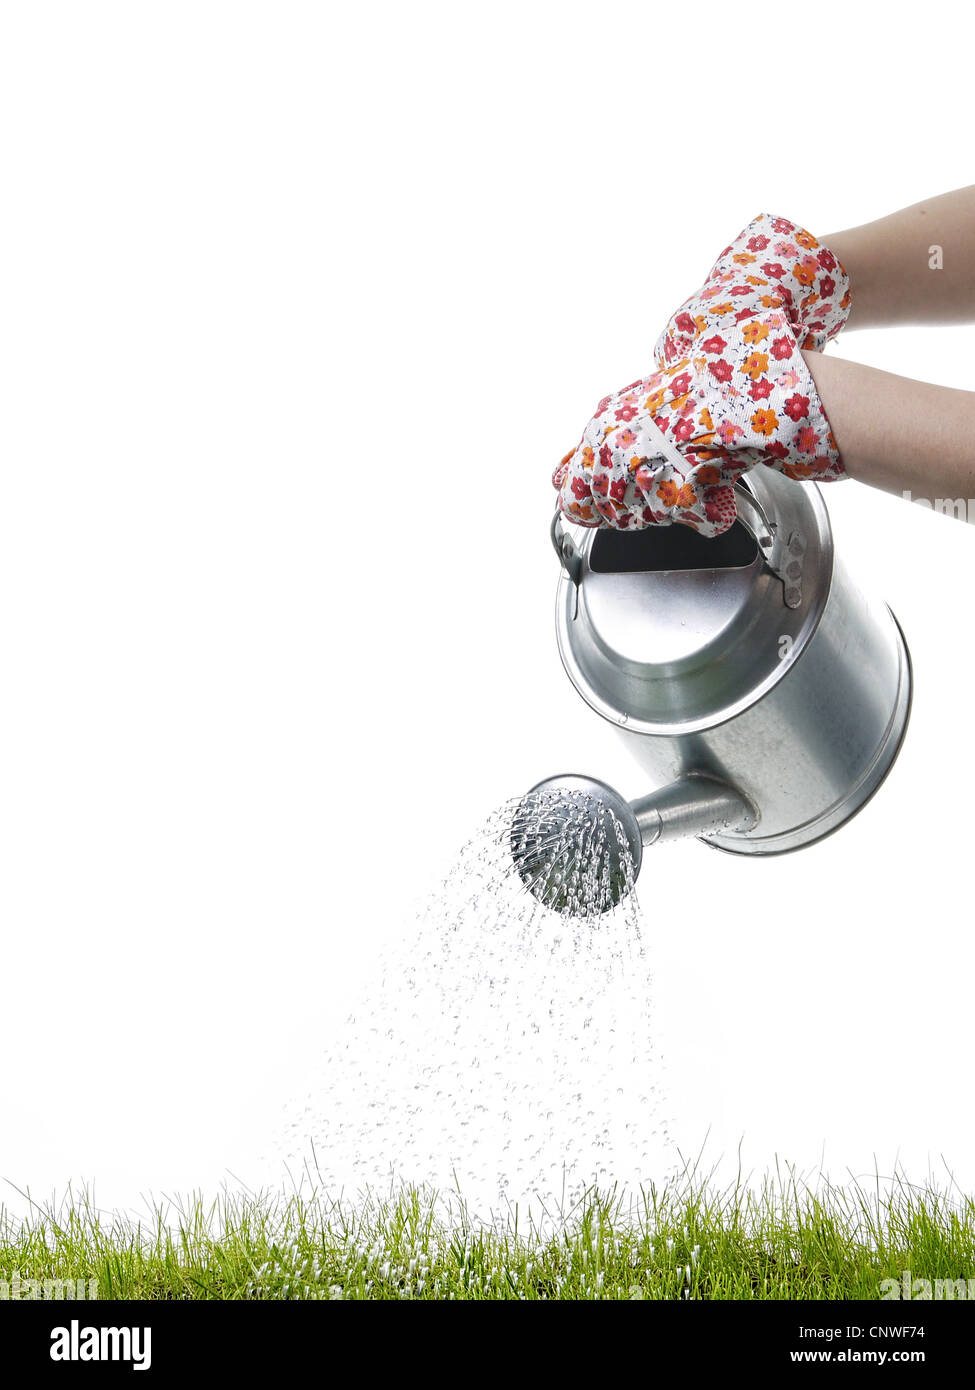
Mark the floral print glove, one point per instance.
(731, 390)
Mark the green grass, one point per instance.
(783, 1240)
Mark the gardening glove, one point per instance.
(730, 390)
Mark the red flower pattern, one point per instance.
(734, 388)
(797, 407)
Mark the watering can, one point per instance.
(762, 691)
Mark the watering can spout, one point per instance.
(578, 845)
(694, 805)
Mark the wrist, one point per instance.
(867, 304)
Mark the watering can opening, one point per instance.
(658, 549)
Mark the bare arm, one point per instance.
(896, 434)
(892, 264)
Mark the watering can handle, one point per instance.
(782, 554)
(569, 557)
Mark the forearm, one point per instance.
(892, 263)
(896, 434)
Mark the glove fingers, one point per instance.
(628, 470)
(772, 264)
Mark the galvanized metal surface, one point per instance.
(798, 701)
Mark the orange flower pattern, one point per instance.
(731, 390)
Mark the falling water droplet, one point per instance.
(483, 1055)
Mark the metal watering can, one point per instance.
(747, 673)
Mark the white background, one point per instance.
(301, 304)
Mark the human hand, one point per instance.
(731, 390)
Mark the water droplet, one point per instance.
(484, 1052)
